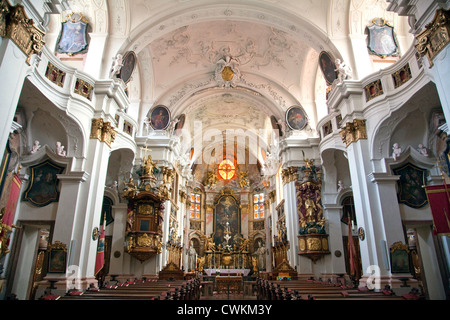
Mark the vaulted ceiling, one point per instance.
(273, 46)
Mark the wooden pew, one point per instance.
(317, 290)
(142, 290)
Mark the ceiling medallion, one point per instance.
(227, 72)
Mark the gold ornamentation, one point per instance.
(435, 36)
(399, 246)
(58, 245)
(373, 90)
(243, 179)
(324, 244)
(144, 241)
(289, 175)
(96, 128)
(103, 131)
(15, 25)
(55, 75)
(145, 209)
(302, 244)
(227, 73)
(313, 244)
(83, 88)
(108, 133)
(353, 131)
(401, 76)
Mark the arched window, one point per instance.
(195, 204)
(348, 210)
(258, 206)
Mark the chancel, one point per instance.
(256, 150)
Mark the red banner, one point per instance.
(100, 259)
(10, 209)
(438, 197)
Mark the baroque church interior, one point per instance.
(224, 147)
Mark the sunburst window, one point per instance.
(227, 169)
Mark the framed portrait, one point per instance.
(57, 257)
(129, 64)
(73, 36)
(399, 258)
(159, 117)
(296, 118)
(328, 67)
(410, 191)
(381, 39)
(43, 186)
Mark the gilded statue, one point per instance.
(211, 179)
(243, 179)
(209, 245)
(255, 264)
(149, 165)
(310, 208)
(130, 187)
(200, 263)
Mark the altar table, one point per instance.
(243, 272)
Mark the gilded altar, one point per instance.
(312, 238)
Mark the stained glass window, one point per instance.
(195, 206)
(258, 206)
(227, 170)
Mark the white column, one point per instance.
(367, 214)
(116, 265)
(13, 69)
(290, 211)
(441, 76)
(334, 264)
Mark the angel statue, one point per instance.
(344, 71)
(117, 65)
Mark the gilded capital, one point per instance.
(353, 131)
(102, 131)
(435, 36)
(15, 25)
(96, 128)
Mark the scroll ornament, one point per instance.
(15, 25)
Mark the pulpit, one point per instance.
(145, 214)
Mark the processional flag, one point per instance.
(6, 222)
(352, 251)
(100, 260)
(438, 197)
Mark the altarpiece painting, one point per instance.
(43, 186)
(410, 190)
(226, 220)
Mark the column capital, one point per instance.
(435, 36)
(102, 131)
(15, 25)
(353, 131)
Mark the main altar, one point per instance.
(225, 252)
